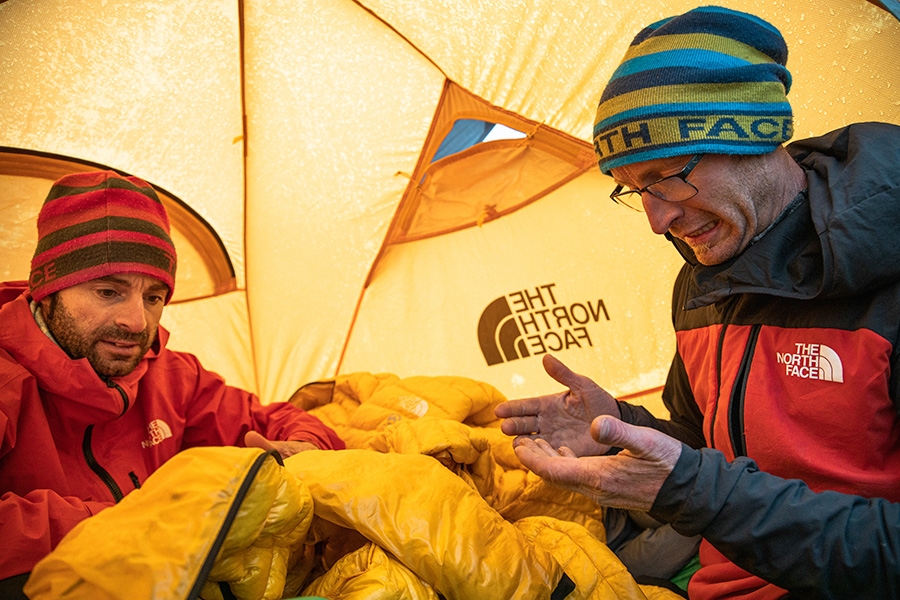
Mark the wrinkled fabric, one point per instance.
(373, 574)
(430, 520)
(412, 516)
(154, 543)
(451, 419)
(597, 573)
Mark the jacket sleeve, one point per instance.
(32, 521)
(817, 545)
(32, 525)
(218, 414)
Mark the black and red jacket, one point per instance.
(789, 354)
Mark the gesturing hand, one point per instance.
(562, 419)
(630, 479)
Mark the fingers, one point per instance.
(541, 446)
(565, 451)
(253, 439)
(520, 426)
(533, 452)
(286, 449)
(520, 417)
(518, 408)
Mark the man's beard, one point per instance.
(78, 344)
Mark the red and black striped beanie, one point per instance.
(97, 224)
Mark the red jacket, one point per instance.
(73, 445)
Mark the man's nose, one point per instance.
(131, 315)
(661, 213)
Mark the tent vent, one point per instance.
(479, 163)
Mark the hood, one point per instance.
(89, 398)
(840, 243)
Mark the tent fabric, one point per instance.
(297, 134)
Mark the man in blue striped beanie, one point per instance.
(708, 85)
(783, 444)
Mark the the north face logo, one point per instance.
(812, 361)
(159, 430)
(535, 322)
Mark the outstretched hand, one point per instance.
(562, 419)
(630, 479)
(253, 439)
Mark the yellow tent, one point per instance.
(333, 211)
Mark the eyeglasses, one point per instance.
(674, 188)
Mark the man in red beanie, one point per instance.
(91, 400)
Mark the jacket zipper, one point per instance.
(88, 451)
(104, 475)
(113, 385)
(738, 393)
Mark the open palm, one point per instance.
(562, 419)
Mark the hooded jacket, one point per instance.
(788, 354)
(74, 444)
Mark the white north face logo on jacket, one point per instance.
(812, 361)
(159, 430)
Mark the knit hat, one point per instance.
(712, 80)
(97, 224)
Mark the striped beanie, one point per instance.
(97, 224)
(712, 80)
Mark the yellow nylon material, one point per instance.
(452, 421)
(597, 573)
(370, 573)
(154, 542)
(435, 524)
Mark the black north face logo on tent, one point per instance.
(533, 322)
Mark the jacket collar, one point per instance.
(825, 247)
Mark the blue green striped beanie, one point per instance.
(710, 81)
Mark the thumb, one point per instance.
(564, 375)
(611, 431)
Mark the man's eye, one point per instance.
(154, 300)
(107, 293)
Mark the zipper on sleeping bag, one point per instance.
(210, 559)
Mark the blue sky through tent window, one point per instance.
(469, 132)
